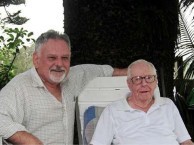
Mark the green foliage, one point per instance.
(11, 41)
(185, 52)
(24, 60)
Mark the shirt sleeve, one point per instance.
(93, 70)
(11, 112)
(104, 131)
(80, 75)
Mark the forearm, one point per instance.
(119, 72)
(187, 142)
(24, 138)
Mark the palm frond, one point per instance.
(15, 18)
(11, 2)
(186, 3)
(185, 44)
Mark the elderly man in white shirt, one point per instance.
(141, 118)
(37, 106)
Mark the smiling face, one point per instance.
(143, 91)
(52, 62)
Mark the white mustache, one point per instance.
(58, 69)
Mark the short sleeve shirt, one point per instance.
(121, 124)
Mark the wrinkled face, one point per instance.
(142, 91)
(53, 61)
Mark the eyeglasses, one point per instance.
(138, 79)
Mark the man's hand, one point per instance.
(187, 142)
(119, 72)
(24, 138)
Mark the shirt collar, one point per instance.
(157, 102)
(36, 80)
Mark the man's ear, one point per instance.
(35, 59)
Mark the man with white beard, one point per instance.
(38, 106)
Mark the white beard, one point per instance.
(56, 79)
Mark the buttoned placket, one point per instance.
(65, 120)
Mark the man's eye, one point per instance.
(137, 79)
(149, 77)
(51, 58)
(65, 58)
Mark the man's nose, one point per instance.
(59, 62)
(144, 82)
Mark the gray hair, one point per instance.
(51, 34)
(149, 64)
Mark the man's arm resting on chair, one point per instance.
(119, 72)
(24, 138)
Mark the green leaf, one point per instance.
(2, 38)
(30, 34)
